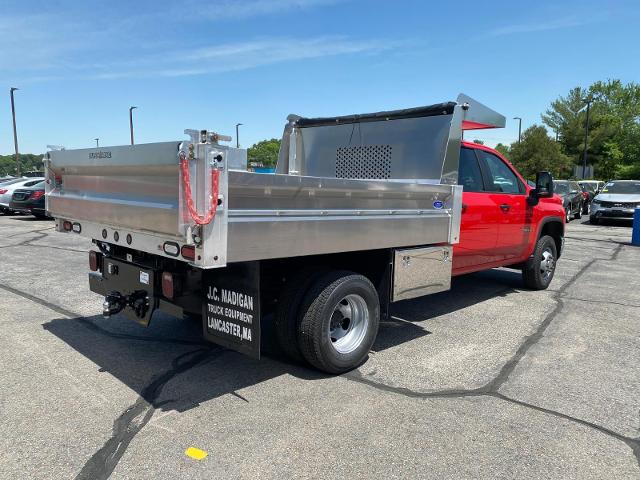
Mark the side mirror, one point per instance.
(544, 185)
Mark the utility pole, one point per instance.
(15, 133)
(131, 122)
(519, 128)
(238, 135)
(97, 142)
(586, 137)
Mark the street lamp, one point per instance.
(238, 135)
(97, 142)
(15, 134)
(519, 128)
(586, 137)
(131, 122)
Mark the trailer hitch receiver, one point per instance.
(115, 302)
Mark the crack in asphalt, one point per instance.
(102, 463)
(492, 388)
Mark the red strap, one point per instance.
(186, 182)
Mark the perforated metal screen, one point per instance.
(364, 161)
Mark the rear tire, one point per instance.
(540, 268)
(286, 319)
(339, 321)
(593, 220)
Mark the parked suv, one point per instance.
(572, 199)
(617, 200)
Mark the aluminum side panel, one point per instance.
(254, 238)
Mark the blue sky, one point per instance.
(212, 64)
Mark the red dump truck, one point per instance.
(363, 211)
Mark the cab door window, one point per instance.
(469, 174)
(499, 178)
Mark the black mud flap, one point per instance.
(231, 307)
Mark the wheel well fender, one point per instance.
(554, 227)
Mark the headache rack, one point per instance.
(350, 183)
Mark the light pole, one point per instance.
(586, 137)
(131, 122)
(238, 135)
(97, 142)
(519, 128)
(15, 134)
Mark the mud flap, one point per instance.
(231, 307)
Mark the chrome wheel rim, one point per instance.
(568, 215)
(349, 323)
(547, 264)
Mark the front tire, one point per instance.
(567, 215)
(578, 214)
(339, 322)
(540, 268)
(593, 220)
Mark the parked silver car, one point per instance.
(6, 191)
(617, 200)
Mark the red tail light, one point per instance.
(585, 195)
(167, 284)
(95, 261)
(37, 194)
(67, 226)
(188, 252)
(3, 191)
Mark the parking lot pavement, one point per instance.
(488, 380)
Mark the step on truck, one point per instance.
(363, 211)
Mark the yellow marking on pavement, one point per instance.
(195, 453)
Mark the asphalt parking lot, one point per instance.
(486, 381)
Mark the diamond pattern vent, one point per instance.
(364, 161)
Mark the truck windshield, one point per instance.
(622, 187)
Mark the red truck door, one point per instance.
(508, 194)
(480, 219)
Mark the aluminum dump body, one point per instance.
(343, 184)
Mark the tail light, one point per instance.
(167, 284)
(95, 261)
(585, 195)
(3, 191)
(37, 194)
(67, 226)
(188, 252)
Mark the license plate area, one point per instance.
(133, 282)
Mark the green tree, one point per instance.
(478, 142)
(614, 120)
(537, 151)
(264, 153)
(28, 162)
(503, 149)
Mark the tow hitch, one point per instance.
(115, 302)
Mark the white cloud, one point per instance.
(539, 26)
(240, 56)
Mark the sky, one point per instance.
(79, 66)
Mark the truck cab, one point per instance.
(501, 218)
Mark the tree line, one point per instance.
(613, 144)
(29, 162)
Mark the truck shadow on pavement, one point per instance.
(172, 368)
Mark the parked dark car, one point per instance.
(29, 200)
(572, 198)
(588, 193)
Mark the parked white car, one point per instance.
(617, 200)
(6, 191)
